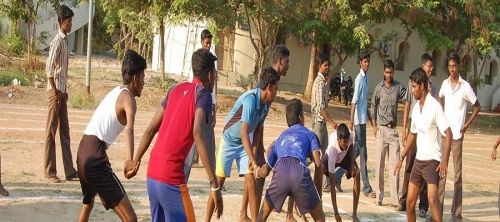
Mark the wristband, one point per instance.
(215, 189)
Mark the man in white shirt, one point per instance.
(426, 128)
(454, 94)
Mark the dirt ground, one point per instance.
(22, 128)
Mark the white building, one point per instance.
(48, 25)
(236, 57)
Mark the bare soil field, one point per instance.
(32, 198)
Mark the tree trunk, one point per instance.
(312, 68)
(162, 48)
(474, 69)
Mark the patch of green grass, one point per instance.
(81, 100)
(7, 75)
(487, 124)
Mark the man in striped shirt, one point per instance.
(57, 74)
(319, 104)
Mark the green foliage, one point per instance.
(81, 100)
(14, 43)
(163, 84)
(7, 75)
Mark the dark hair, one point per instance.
(202, 62)
(132, 65)
(343, 131)
(321, 58)
(454, 56)
(425, 58)
(64, 13)
(363, 56)
(388, 64)
(280, 51)
(205, 34)
(293, 112)
(418, 76)
(269, 76)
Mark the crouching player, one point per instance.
(340, 154)
(291, 177)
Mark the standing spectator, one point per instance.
(384, 112)
(455, 93)
(359, 116)
(423, 206)
(3, 191)
(57, 75)
(319, 104)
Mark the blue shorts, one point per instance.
(169, 203)
(292, 178)
(225, 157)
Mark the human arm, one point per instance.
(410, 140)
(494, 151)
(201, 147)
(128, 107)
(50, 68)
(373, 111)
(148, 135)
(475, 111)
(355, 97)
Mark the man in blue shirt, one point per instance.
(291, 177)
(247, 116)
(359, 117)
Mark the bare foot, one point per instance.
(3, 192)
(245, 219)
(355, 218)
(290, 218)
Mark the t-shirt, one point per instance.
(427, 123)
(248, 109)
(335, 154)
(455, 103)
(297, 142)
(175, 136)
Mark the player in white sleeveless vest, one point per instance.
(115, 113)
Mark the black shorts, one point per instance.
(425, 171)
(95, 173)
(345, 164)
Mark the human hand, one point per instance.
(375, 131)
(398, 167)
(131, 168)
(351, 125)
(442, 167)
(462, 131)
(217, 197)
(494, 154)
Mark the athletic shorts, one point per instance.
(345, 164)
(292, 178)
(225, 157)
(95, 173)
(425, 171)
(169, 203)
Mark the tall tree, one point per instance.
(333, 23)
